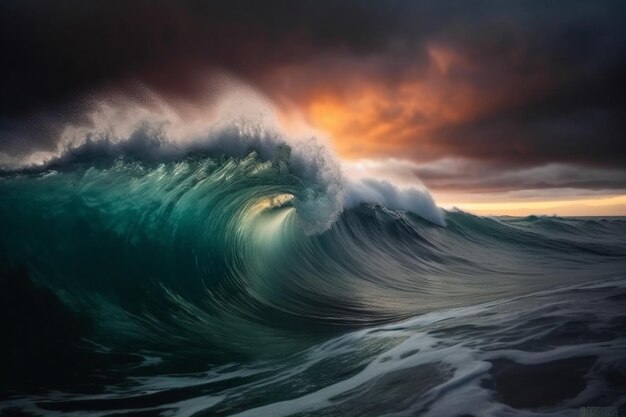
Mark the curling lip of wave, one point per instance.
(327, 190)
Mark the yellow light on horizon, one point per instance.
(604, 206)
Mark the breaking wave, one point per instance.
(141, 261)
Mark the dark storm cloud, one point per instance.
(56, 50)
(482, 177)
(479, 176)
(545, 77)
(576, 116)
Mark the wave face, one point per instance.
(205, 278)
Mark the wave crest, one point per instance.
(159, 137)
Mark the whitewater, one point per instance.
(232, 269)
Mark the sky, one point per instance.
(498, 107)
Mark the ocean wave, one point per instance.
(150, 239)
(182, 267)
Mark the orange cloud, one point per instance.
(368, 115)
